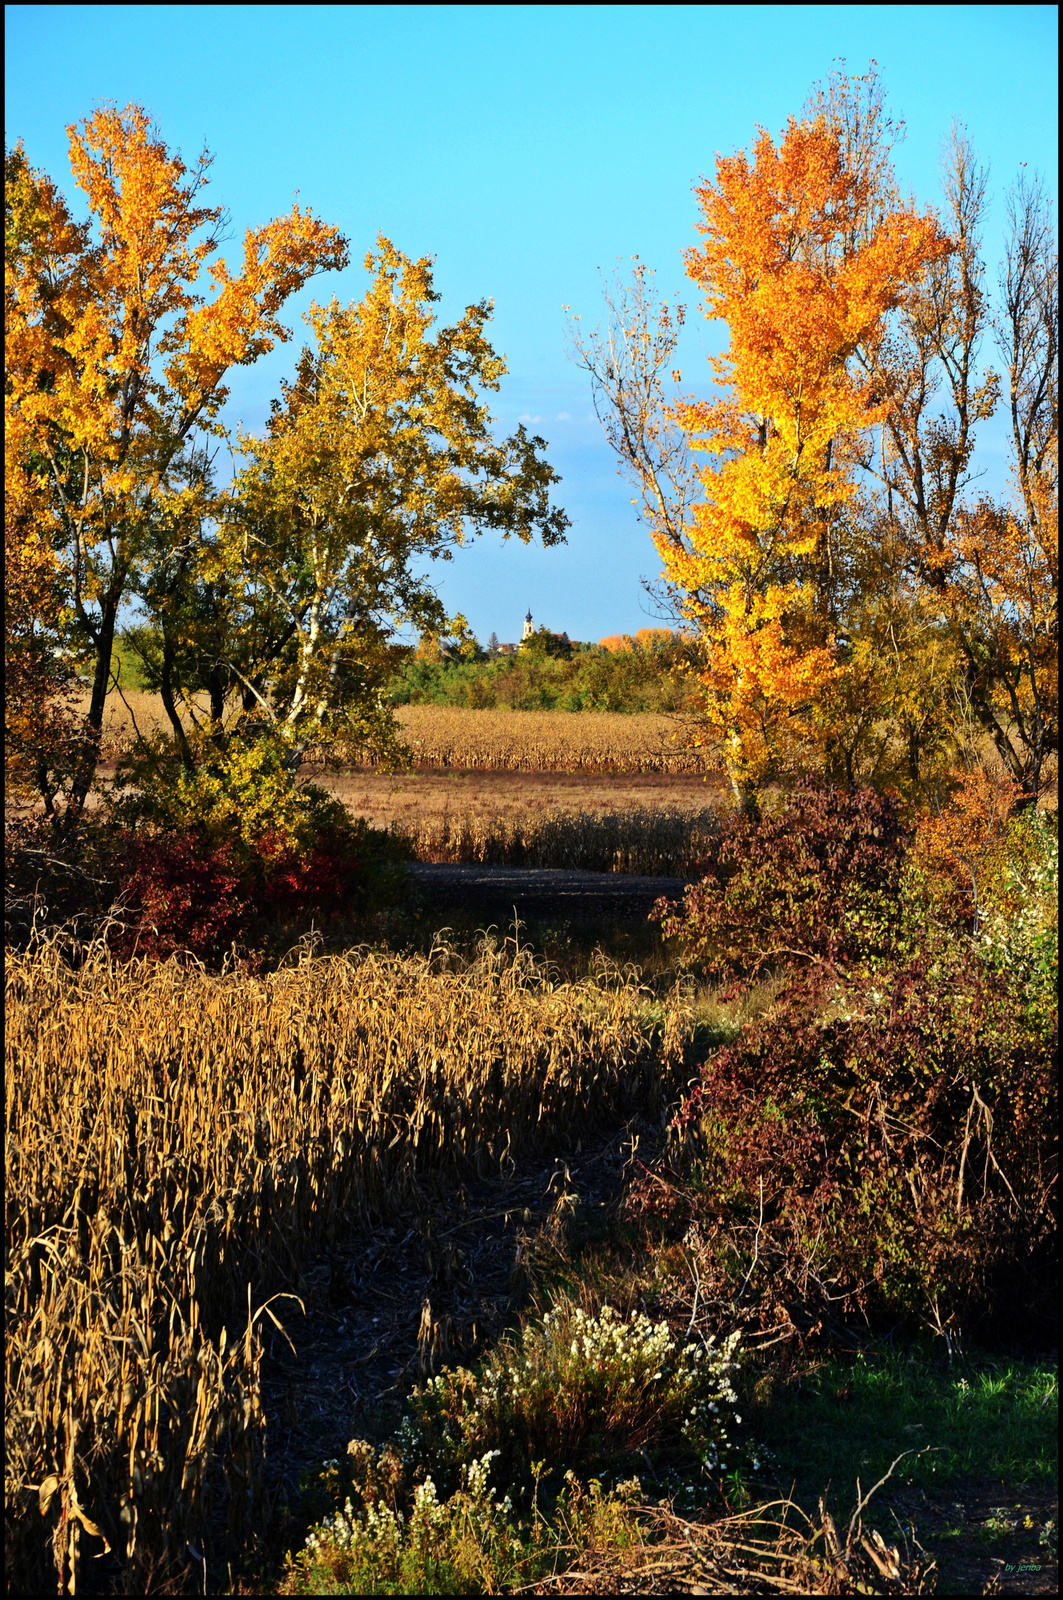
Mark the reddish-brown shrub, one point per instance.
(188, 891)
(180, 892)
(817, 881)
(328, 877)
(883, 1146)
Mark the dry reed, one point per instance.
(643, 841)
(177, 1144)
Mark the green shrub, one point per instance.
(588, 1394)
(239, 790)
(462, 1545)
(561, 677)
(567, 1400)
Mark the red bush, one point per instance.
(816, 882)
(327, 878)
(882, 1148)
(179, 892)
(186, 892)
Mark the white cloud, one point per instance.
(564, 416)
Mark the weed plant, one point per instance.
(587, 1393)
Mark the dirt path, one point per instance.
(396, 1303)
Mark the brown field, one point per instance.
(430, 797)
(446, 736)
(177, 1146)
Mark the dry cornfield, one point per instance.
(552, 741)
(450, 736)
(126, 715)
(179, 1143)
(667, 843)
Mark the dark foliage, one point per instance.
(881, 1143)
(880, 1147)
(329, 877)
(189, 892)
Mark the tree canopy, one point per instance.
(856, 603)
(276, 594)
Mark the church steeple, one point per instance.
(528, 628)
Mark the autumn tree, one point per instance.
(378, 457)
(115, 362)
(986, 567)
(41, 737)
(851, 595)
(760, 555)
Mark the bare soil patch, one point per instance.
(985, 1537)
(396, 1304)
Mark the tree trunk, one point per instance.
(746, 799)
(170, 703)
(101, 682)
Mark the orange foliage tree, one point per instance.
(115, 363)
(803, 282)
(40, 730)
(987, 571)
(641, 639)
(859, 612)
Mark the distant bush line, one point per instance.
(551, 674)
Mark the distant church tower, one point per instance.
(528, 628)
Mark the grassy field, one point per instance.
(428, 797)
(593, 790)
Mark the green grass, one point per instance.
(982, 1418)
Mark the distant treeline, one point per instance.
(550, 672)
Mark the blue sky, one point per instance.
(525, 147)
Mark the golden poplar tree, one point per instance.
(379, 456)
(41, 245)
(802, 281)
